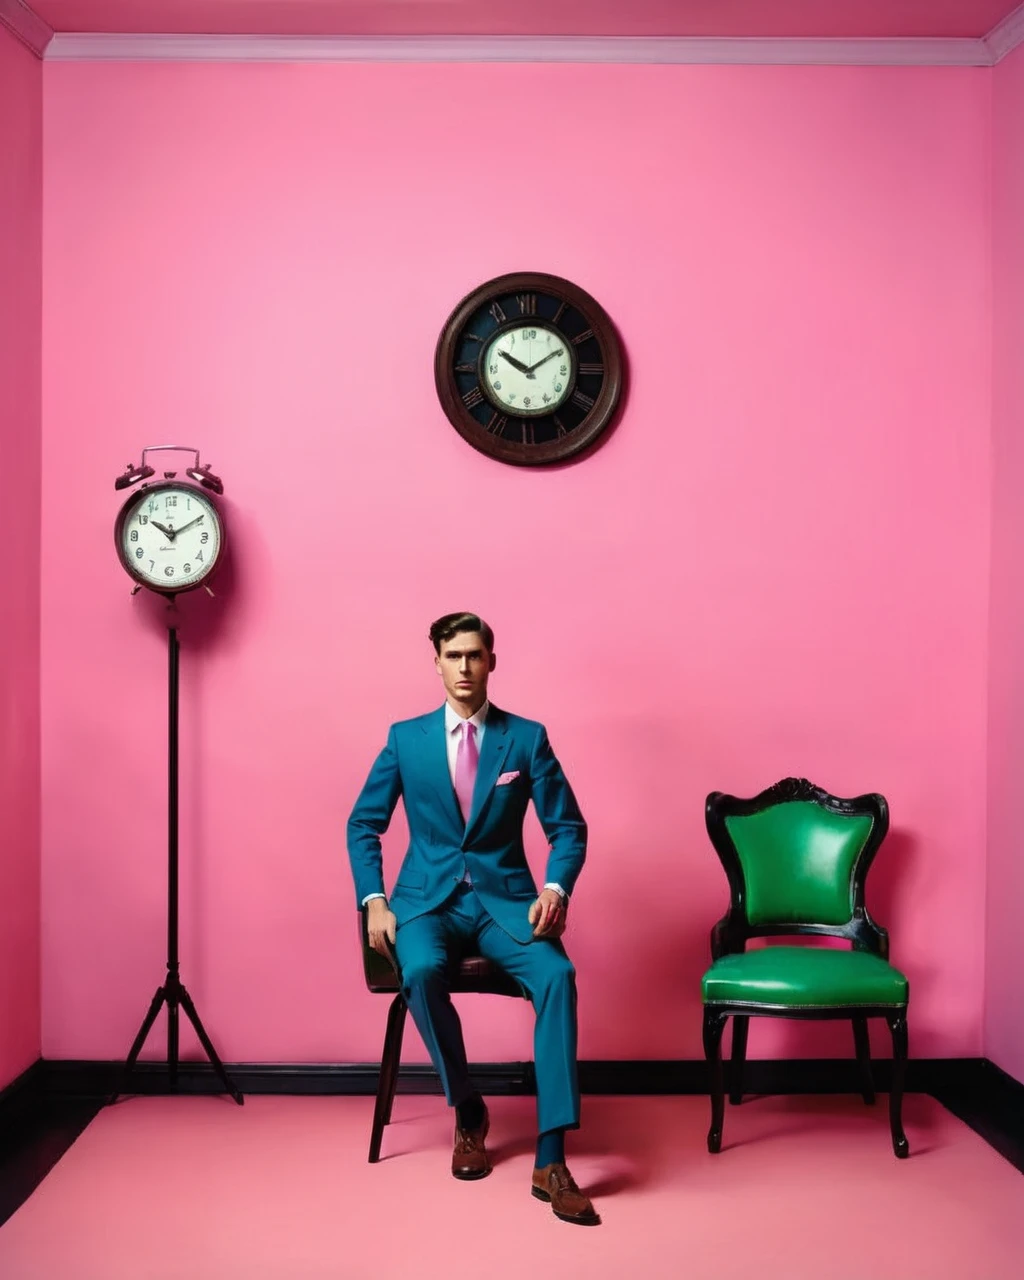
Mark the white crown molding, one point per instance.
(22, 22)
(1005, 36)
(909, 52)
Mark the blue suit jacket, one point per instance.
(414, 765)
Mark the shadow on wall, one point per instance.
(646, 980)
(205, 624)
(889, 906)
(205, 620)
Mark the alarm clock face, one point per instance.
(169, 537)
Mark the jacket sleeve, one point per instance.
(559, 815)
(371, 817)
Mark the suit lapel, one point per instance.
(435, 766)
(493, 750)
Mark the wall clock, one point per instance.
(170, 535)
(528, 368)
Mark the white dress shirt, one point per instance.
(453, 723)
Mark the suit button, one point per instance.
(455, 879)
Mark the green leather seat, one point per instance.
(804, 978)
(796, 859)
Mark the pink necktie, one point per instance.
(466, 759)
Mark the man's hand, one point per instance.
(547, 915)
(380, 926)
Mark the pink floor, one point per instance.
(198, 1188)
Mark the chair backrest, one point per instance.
(796, 858)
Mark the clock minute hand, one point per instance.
(516, 364)
(550, 356)
(188, 526)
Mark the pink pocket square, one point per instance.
(506, 778)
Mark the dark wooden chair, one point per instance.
(796, 859)
(472, 974)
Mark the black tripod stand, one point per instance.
(172, 992)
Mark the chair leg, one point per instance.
(898, 1026)
(863, 1046)
(395, 1057)
(388, 1080)
(714, 1025)
(739, 1057)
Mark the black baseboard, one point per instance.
(992, 1103)
(21, 1096)
(94, 1079)
(36, 1128)
(48, 1106)
(97, 1079)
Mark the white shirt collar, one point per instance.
(452, 719)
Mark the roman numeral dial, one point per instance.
(528, 368)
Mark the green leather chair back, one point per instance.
(798, 861)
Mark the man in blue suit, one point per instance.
(466, 773)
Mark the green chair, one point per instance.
(796, 859)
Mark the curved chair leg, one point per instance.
(740, 1024)
(862, 1044)
(898, 1026)
(388, 1081)
(714, 1025)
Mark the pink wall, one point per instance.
(21, 103)
(1004, 987)
(771, 567)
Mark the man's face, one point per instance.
(464, 664)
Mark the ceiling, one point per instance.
(812, 18)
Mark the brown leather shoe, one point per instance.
(470, 1159)
(555, 1183)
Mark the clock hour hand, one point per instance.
(163, 529)
(187, 526)
(516, 364)
(550, 356)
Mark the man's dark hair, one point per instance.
(451, 624)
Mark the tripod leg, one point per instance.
(139, 1041)
(207, 1043)
(172, 1041)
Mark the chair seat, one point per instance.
(804, 978)
(477, 974)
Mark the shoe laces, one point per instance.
(563, 1179)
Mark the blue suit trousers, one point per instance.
(428, 945)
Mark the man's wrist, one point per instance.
(552, 884)
(371, 896)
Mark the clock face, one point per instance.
(169, 537)
(528, 368)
